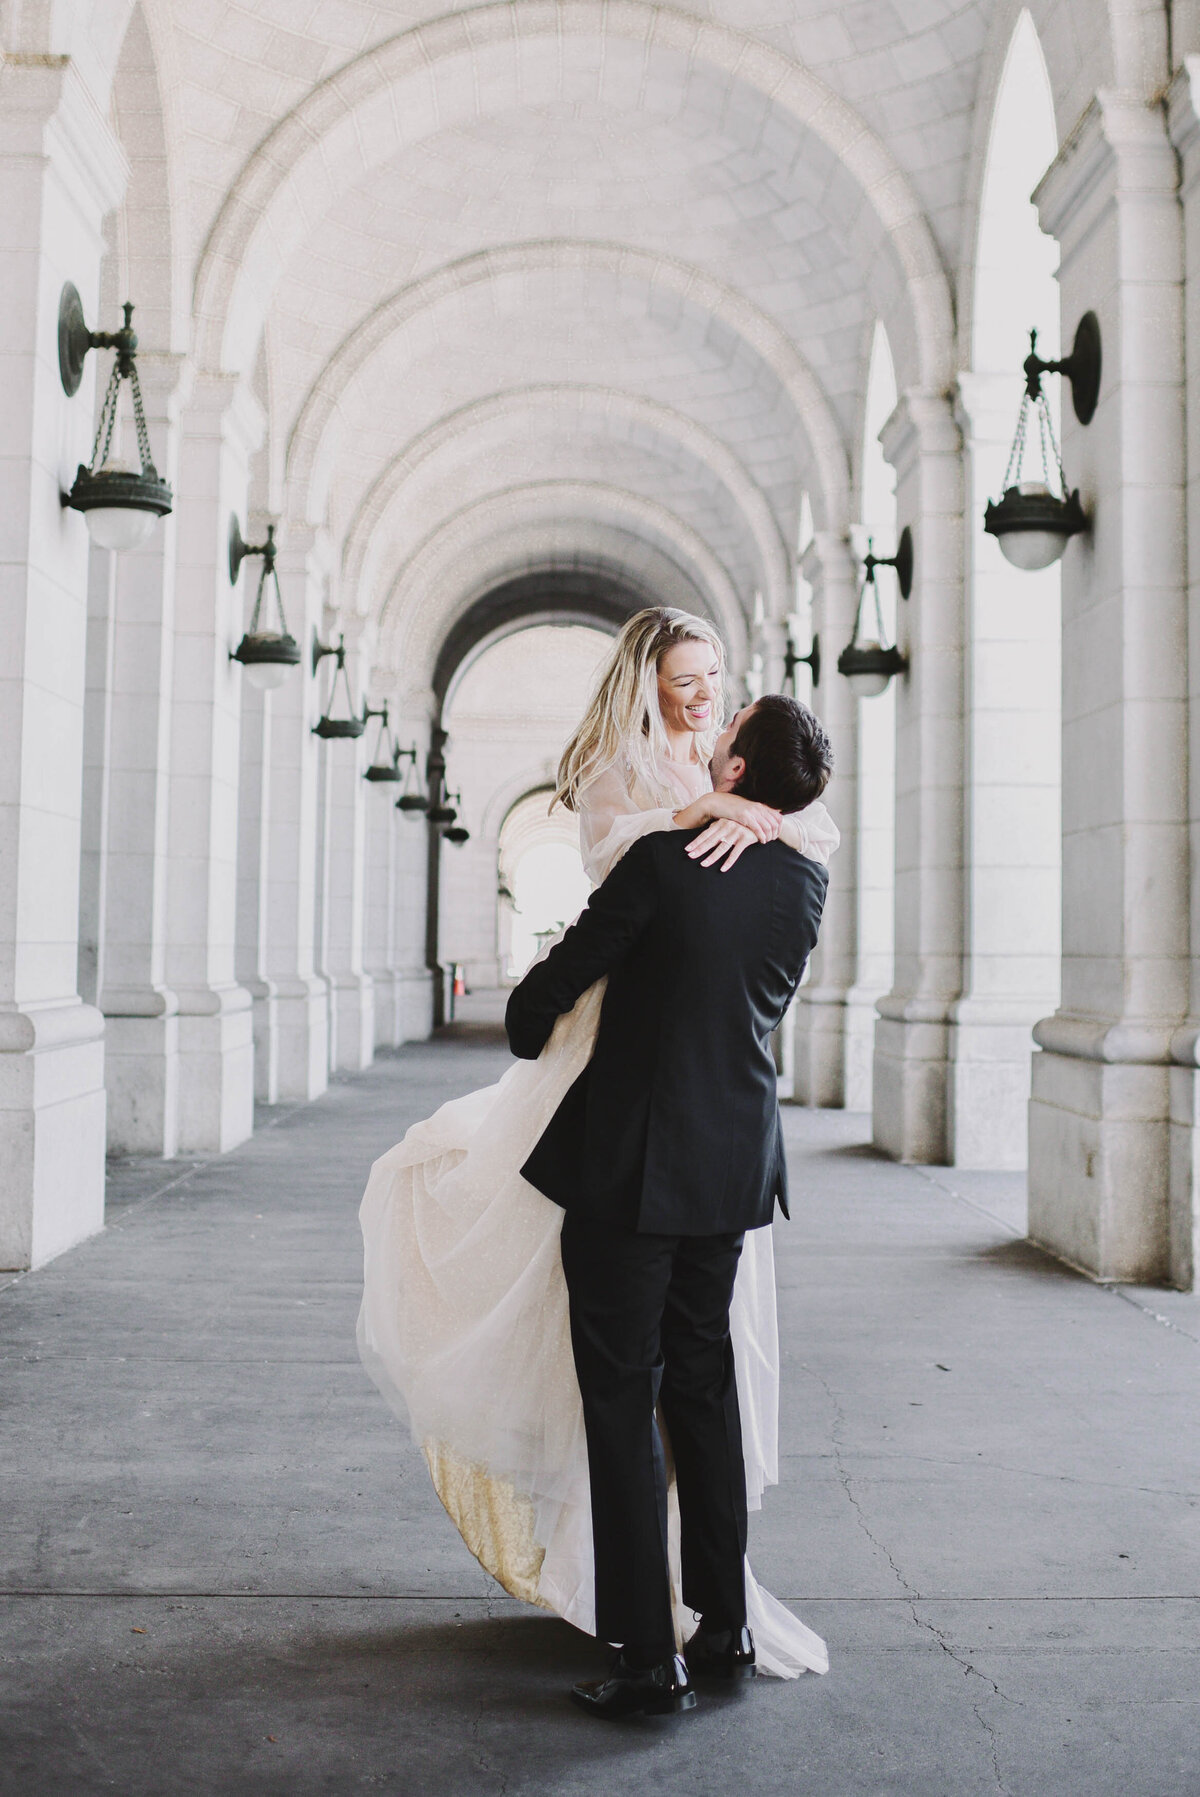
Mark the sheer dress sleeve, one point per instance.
(811, 832)
(610, 818)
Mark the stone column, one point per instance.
(820, 1013)
(278, 847)
(141, 1009)
(60, 172)
(912, 1038)
(383, 823)
(414, 990)
(1183, 1242)
(1098, 1131)
(351, 991)
(254, 812)
(222, 425)
(1012, 815)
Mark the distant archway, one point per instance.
(512, 682)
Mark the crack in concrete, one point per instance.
(1120, 1291)
(912, 1595)
(994, 1745)
(480, 1755)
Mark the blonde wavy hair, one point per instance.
(623, 724)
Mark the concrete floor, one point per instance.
(225, 1570)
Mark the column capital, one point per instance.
(828, 555)
(222, 405)
(921, 425)
(1115, 133)
(985, 405)
(48, 112)
(1183, 118)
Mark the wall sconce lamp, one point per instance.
(119, 502)
(328, 726)
(444, 812)
(266, 655)
(455, 832)
(386, 764)
(1031, 522)
(792, 659)
(412, 799)
(869, 664)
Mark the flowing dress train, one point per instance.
(464, 1325)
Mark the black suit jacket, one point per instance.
(673, 1127)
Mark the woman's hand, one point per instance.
(722, 837)
(733, 824)
(763, 823)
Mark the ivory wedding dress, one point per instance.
(464, 1324)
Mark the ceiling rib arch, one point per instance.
(550, 524)
(415, 84)
(523, 406)
(574, 596)
(750, 325)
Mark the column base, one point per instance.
(988, 1097)
(1183, 1230)
(859, 1049)
(819, 1047)
(415, 1000)
(351, 1021)
(910, 1077)
(142, 1075)
(216, 1068)
(301, 1044)
(387, 1008)
(264, 1030)
(1099, 1165)
(52, 1131)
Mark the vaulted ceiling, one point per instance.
(587, 281)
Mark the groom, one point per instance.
(663, 1153)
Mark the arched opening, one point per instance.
(542, 882)
(507, 716)
(1012, 838)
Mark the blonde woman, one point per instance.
(464, 1323)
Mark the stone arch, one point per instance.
(472, 550)
(454, 432)
(422, 79)
(510, 814)
(746, 321)
(1089, 45)
(586, 596)
(151, 268)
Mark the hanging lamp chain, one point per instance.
(1034, 395)
(869, 580)
(124, 368)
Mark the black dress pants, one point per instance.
(650, 1326)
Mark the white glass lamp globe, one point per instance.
(1033, 549)
(267, 675)
(869, 686)
(118, 527)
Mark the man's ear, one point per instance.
(735, 768)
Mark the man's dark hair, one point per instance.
(787, 754)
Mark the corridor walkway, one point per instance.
(225, 1570)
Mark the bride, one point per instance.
(463, 1325)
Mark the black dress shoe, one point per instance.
(655, 1691)
(729, 1654)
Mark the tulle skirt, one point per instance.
(464, 1328)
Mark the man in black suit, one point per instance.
(663, 1153)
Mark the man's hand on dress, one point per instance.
(733, 824)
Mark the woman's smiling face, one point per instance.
(689, 687)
